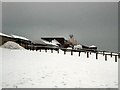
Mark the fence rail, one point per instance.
(116, 55)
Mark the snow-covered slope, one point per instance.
(34, 69)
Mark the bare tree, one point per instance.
(72, 41)
(71, 35)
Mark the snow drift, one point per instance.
(12, 45)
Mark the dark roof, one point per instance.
(39, 42)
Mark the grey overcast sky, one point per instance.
(90, 22)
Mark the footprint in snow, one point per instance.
(79, 80)
(9, 73)
(64, 74)
(24, 73)
(21, 83)
(116, 82)
(23, 78)
(15, 86)
(33, 84)
(64, 83)
(29, 79)
(7, 85)
(101, 85)
(43, 77)
(56, 86)
(93, 81)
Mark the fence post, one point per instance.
(79, 53)
(90, 52)
(45, 50)
(111, 54)
(40, 50)
(51, 50)
(118, 55)
(103, 53)
(115, 58)
(33, 48)
(58, 50)
(105, 57)
(87, 54)
(96, 55)
(71, 52)
(30, 48)
(64, 51)
(27, 46)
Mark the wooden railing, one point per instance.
(87, 51)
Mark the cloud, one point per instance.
(89, 22)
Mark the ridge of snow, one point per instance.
(50, 43)
(2, 34)
(92, 46)
(20, 37)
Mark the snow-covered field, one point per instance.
(34, 69)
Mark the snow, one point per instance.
(69, 48)
(92, 46)
(20, 37)
(2, 34)
(14, 36)
(12, 45)
(50, 43)
(35, 69)
(55, 42)
(78, 46)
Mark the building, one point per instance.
(22, 41)
(4, 38)
(61, 40)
